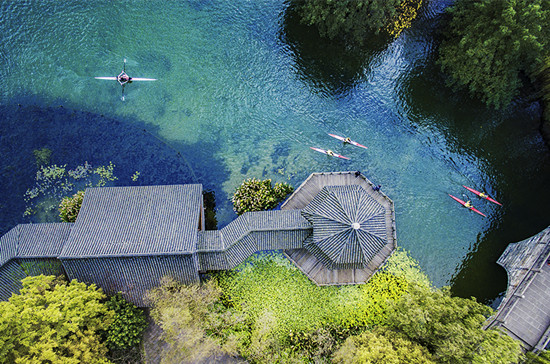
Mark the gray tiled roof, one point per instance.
(349, 226)
(132, 221)
(43, 240)
(8, 245)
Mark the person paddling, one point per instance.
(123, 78)
(468, 205)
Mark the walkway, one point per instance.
(525, 311)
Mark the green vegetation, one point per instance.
(256, 195)
(55, 182)
(128, 324)
(70, 206)
(542, 358)
(489, 44)
(356, 21)
(451, 327)
(195, 324)
(42, 156)
(382, 346)
(267, 311)
(52, 321)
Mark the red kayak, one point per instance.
(345, 140)
(482, 195)
(464, 204)
(329, 153)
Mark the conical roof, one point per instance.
(349, 226)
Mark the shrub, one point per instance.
(256, 195)
(451, 327)
(52, 321)
(196, 326)
(381, 346)
(128, 324)
(70, 206)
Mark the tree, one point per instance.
(70, 207)
(542, 357)
(52, 321)
(451, 327)
(489, 43)
(128, 324)
(256, 195)
(381, 346)
(195, 325)
(355, 20)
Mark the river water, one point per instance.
(243, 91)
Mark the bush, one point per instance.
(451, 327)
(70, 206)
(382, 346)
(129, 323)
(52, 321)
(256, 195)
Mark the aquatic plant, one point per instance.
(257, 195)
(54, 182)
(42, 156)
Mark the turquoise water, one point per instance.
(244, 91)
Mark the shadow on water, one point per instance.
(78, 136)
(507, 148)
(331, 66)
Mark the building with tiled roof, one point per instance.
(336, 228)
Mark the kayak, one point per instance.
(131, 79)
(327, 153)
(350, 142)
(479, 194)
(464, 204)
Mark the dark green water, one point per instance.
(244, 91)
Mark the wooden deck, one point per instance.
(307, 262)
(525, 311)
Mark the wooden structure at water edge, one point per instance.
(336, 228)
(524, 312)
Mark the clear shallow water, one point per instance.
(243, 92)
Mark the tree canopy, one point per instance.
(489, 43)
(358, 20)
(382, 346)
(52, 321)
(451, 327)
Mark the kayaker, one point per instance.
(482, 195)
(468, 204)
(347, 140)
(123, 78)
(330, 152)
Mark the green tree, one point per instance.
(257, 195)
(542, 357)
(355, 20)
(52, 321)
(128, 324)
(381, 346)
(451, 327)
(489, 43)
(70, 207)
(196, 327)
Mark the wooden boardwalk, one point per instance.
(307, 262)
(525, 311)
